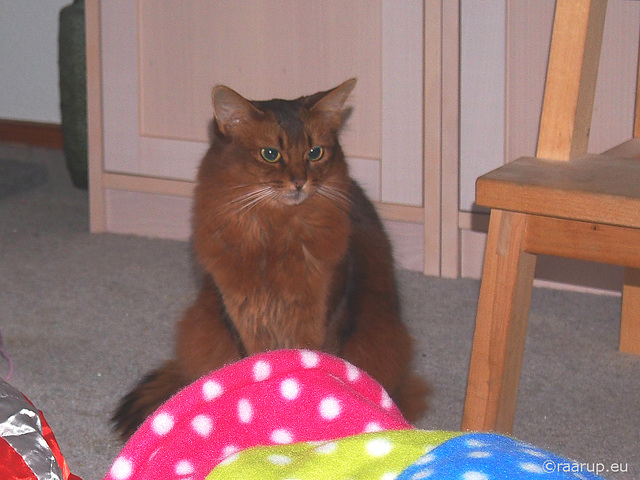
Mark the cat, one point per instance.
(293, 255)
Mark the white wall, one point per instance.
(29, 60)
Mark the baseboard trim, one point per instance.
(36, 134)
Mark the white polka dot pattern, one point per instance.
(281, 436)
(245, 411)
(326, 448)
(261, 400)
(211, 390)
(184, 467)
(280, 459)
(474, 476)
(386, 401)
(162, 424)
(378, 447)
(290, 389)
(261, 371)
(309, 359)
(353, 373)
(372, 427)
(329, 408)
(121, 469)
(229, 451)
(202, 425)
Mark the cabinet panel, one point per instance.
(119, 69)
(161, 59)
(482, 83)
(274, 49)
(169, 158)
(402, 102)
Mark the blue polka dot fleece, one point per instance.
(487, 456)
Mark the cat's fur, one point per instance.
(293, 253)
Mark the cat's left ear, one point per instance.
(331, 103)
(231, 109)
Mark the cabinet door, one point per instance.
(160, 59)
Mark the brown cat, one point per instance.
(294, 254)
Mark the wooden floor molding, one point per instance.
(46, 135)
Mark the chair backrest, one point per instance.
(571, 79)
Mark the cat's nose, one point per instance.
(299, 183)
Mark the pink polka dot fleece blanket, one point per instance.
(299, 414)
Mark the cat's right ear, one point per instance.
(231, 109)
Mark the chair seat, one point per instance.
(593, 188)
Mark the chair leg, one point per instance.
(630, 321)
(501, 324)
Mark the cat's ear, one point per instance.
(331, 103)
(231, 109)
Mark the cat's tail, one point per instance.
(151, 392)
(411, 397)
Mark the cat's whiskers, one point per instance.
(252, 199)
(246, 201)
(339, 197)
(250, 195)
(257, 201)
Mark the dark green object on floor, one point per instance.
(73, 90)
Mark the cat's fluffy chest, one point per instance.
(275, 274)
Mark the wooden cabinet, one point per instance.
(152, 65)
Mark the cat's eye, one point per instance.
(315, 154)
(271, 155)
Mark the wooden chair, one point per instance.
(563, 202)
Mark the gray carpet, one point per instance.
(19, 175)
(83, 316)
